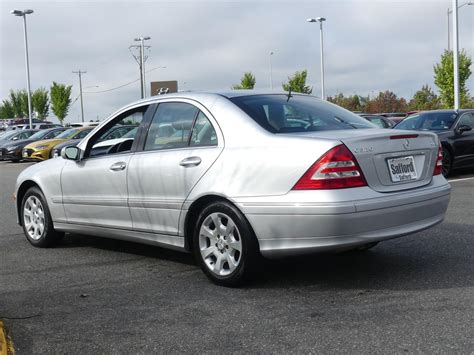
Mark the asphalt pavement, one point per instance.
(91, 295)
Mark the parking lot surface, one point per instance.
(413, 294)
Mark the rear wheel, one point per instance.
(447, 162)
(36, 220)
(224, 245)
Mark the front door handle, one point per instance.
(119, 166)
(190, 162)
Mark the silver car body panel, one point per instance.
(149, 199)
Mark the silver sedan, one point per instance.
(234, 176)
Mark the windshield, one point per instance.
(429, 121)
(296, 113)
(68, 133)
(40, 134)
(131, 134)
(8, 134)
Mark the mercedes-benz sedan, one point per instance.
(233, 176)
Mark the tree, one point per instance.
(297, 83)
(444, 78)
(424, 99)
(40, 103)
(247, 82)
(60, 100)
(386, 101)
(6, 110)
(19, 102)
(351, 103)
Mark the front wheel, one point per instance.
(224, 245)
(36, 220)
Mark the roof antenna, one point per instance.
(289, 95)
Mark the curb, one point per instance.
(5, 346)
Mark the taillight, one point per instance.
(439, 161)
(336, 169)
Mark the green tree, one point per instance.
(351, 103)
(40, 103)
(6, 110)
(297, 83)
(444, 78)
(60, 100)
(247, 82)
(424, 99)
(19, 102)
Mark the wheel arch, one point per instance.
(25, 186)
(193, 213)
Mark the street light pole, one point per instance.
(456, 54)
(142, 64)
(271, 71)
(448, 13)
(320, 20)
(80, 90)
(23, 14)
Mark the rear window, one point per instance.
(297, 113)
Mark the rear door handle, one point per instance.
(190, 162)
(119, 166)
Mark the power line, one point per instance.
(121, 86)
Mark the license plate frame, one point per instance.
(402, 169)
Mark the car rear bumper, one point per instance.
(291, 225)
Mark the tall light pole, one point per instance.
(271, 70)
(456, 54)
(23, 14)
(449, 13)
(79, 72)
(320, 20)
(142, 63)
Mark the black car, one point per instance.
(380, 121)
(454, 129)
(15, 136)
(12, 149)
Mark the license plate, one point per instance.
(402, 169)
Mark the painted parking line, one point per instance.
(6, 347)
(462, 179)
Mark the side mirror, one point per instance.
(14, 138)
(71, 153)
(464, 128)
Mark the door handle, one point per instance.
(119, 166)
(190, 162)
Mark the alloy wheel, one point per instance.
(33, 217)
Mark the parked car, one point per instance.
(41, 150)
(83, 124)
(454, 129)
(113, 134)
(233, 176)
(13, 150)
(15, 136)
(379, 121)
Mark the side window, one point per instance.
(171, 126)
(102, 143)
(203, 133)
(467, 119)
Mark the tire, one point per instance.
(447, 162)
(36, 220)
(228, 254)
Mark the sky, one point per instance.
(369, 46)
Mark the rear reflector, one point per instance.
(336, 169)
(439, 161)
(404, 136)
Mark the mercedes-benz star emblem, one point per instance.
(406, 144)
